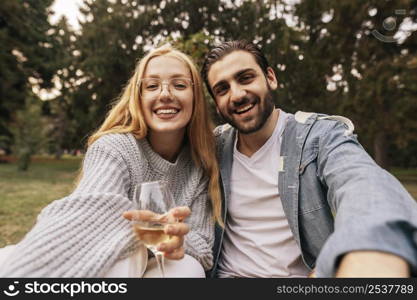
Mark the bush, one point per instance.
(30, 132)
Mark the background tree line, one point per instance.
(354, 58)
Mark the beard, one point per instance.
(265, 109)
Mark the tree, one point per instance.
(369, 76)
(25, 58)
(112, 40)
(66, 117)
(30, 132)
(327, 61)
(115, 34)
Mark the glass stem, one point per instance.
(159, 256)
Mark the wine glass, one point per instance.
(153, 196)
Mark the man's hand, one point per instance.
(372, 264)
(174, 248)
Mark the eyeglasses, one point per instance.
(154, 86)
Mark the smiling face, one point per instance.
(170, 110)
(243, 93)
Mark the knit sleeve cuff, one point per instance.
(77, 236)
(196, 247)
(199, 241)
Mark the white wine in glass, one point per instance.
(151, 233)
(155, 197)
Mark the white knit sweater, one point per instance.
(84, 234)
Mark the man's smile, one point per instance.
(244, 108)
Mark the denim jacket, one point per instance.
(335, 197)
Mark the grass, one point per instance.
(408, 178)
(24, 194)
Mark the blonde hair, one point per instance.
(126, 116)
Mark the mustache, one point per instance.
(250, 98)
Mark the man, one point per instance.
(300, 193)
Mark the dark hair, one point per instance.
(219, 51)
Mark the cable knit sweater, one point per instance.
(84, 234)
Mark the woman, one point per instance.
(158, 130)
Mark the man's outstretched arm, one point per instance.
(372, 264)
(375, 217)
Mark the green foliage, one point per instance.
(26, 53)
(112, 40)
(68, 111)
(30, 132)
(324, 54)
(376, 83)
(4, 141)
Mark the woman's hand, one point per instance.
(174, 248)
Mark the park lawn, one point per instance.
(24, 194)
(408, 178)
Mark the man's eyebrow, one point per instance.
(221, 82)
(241, 72)
(236, 75)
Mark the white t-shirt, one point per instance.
(258, 241)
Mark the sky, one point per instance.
(69, 8)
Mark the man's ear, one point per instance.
(272, 79)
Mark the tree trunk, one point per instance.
(58, 153)
(381, 150)
(24, 161)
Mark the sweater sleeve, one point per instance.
(83, 234)
(199, 241)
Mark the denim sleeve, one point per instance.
(372, 209)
